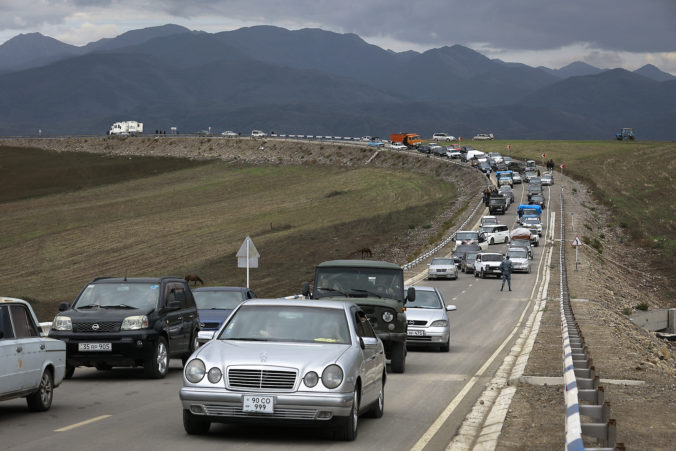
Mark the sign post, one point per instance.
(562, 166)
(247, 257)
(543, 158)
(576, 244)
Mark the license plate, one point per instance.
(260, 404)
(416, 333)
(94, 347)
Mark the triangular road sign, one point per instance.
(577, 242)
(253, 255)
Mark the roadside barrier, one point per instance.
(580, 380)
(447, 240)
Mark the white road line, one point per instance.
(82, 423)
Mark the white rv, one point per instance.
(126, 128)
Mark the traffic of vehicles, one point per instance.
(321, 359)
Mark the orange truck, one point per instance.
(407, 139)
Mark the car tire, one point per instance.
(446, 346)
(528, 269)
(398, 357)
(482, 274)
(492, 241)
(157, 365)
(194, 344)
(347, 430)
(70, 370)
(41, 399)
(194, 425)
(506, 239)
(379, 406)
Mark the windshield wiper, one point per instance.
(367, 292)
(247, 339)
(334, 290)
(119, 306)
(88, 306)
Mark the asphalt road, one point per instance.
(119, 409)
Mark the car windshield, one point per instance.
(288, 324)
(517, 253)
(442, 261)
(492, 257)
(119, 295)
(531, 221)
(359, 282)
(215, 300)
(471, 255)
(425, 299)
(521, 243)
(464, 236)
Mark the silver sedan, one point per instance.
(277, 361)
(442, 268)
(427, 317)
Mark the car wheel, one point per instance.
(194, 425)
(446, 346)
(482, 275)
(194, 344)
(347, 431)
(398, 357)
(379, 407)
(41, 400)
(492, 241)
(70, 370)
(506, 239)
(528, 269)
(157, 366)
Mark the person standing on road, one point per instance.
(506, 268)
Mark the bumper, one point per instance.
(443, 275)
(431, 336)
(127, 348)
(220, 405)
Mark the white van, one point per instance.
(474, 154)
(470, 237)
(496, 233)
(258, 134)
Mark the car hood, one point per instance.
(292, 355)
(213, 315)
(518, 260)
(392, 303)
(427, 314)
(104, 314)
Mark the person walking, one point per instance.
(506, 268)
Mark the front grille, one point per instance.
(261, 379)
(94, 326)
(416, 322)
(291, 414)
(418, 338)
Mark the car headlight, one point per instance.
(195, 370)
(134, 322)
(311, 379)
(439, 323)
(214, 375)
(332, 376)
(388, 317)
(62, 323)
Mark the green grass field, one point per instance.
(174, 219)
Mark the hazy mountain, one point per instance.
(654, 73)
(316, 82)
(31, 50)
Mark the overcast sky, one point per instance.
(552, 33)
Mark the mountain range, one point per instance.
(317, 82)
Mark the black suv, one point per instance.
(129, 322)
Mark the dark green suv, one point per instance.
(378, 288)
(129, 322)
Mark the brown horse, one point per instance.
(194, 278)
(365, 252)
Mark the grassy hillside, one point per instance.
(635, 179)
(193, 220)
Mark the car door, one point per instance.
(174, 305)
(369, 356)
(29, 346)
(10, 355)
(190, 318)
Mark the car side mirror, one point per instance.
(367, 341)
(306, 289)
(451, 308)
(410, 295)
(63, 306)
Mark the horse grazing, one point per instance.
(365, 252)
(194, 278)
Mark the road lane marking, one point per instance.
(82, 423)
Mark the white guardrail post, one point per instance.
(579, 376)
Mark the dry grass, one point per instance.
(194, 220)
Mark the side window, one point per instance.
(6, 330)
(363, 326)
(23, 324)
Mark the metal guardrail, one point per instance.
(580, 380)
(447, 240)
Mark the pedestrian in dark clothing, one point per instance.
(506, 268)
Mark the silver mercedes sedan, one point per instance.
(287, 361)
(427, 318)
